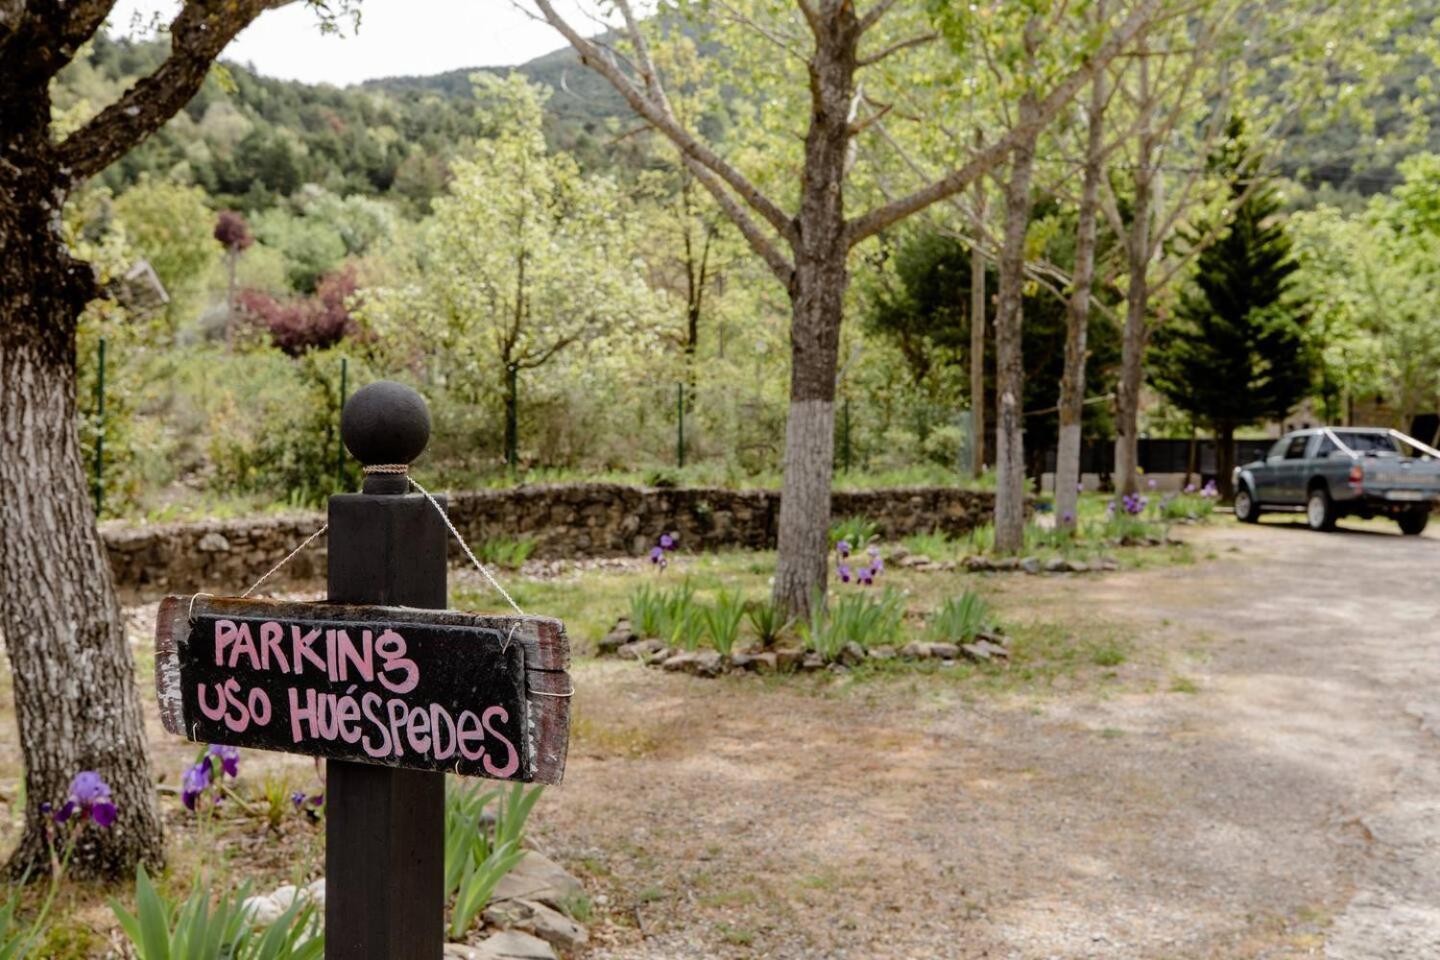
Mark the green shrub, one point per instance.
(508, 552)
(856, 531)
(476, 860)
(767, 620)
(162, 929)
(671, 615)
(936, 546)
(858, 617)
(959, 619)
(1184, 506)
(722, 621)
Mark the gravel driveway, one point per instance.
(1283, 801)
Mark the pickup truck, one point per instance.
(1333, 472)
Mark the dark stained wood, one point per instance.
(531, 642)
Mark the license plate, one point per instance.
(1404, 495)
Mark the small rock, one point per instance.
(927, 567)
(811, 663)
(994, 649)
(896, 553)
(882, 653)
(914, 560)
(976, 652)
(1030, 565)
(1108, 563)
(680, 660)
(978, 563)
(915, 651)
(547, 924)
(619, 636)
(1005, 563)
(284, 897)
(852, 654)
(262, 911)
(1077, 566)
(213, 542)
(1055, 565)
(537, 877)
(708, 664)
(766, 662)
(788, 658)
(944, 651)
(514, 945)
(640, 649)
(949, 565)
(742, 661)
(315, 893)
(461, 951)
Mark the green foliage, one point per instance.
(859, 532)
(671, 614)
(936, 546)
(17, 940)
(767, 620)
(508, 552)
(856, 617)
(476, 859)
(194, 929)
(1185, 506)
(722, 620)
(959, 619)
(1235, 353)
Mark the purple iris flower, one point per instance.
(90, 798)
(667, 542)
(298, 799)
(843, 548)
(1190, 487)
(866, 576)
(1067, 517)
(195, 781)
(229, 758)
(844, 571)
(657, 556)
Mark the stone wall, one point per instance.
(565, 520)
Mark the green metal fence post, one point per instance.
(680, 425)
(512, 418)
(100, 431)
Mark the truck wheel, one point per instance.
(1247, 509)
(1412, 522)
(1320, 510)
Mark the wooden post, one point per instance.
(385, 828)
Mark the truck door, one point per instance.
(1294, 471)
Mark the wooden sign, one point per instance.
(425, 689)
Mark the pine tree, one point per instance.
(1235, 354)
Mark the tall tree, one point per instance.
(1235, 354)
(1072, 383)
(76, 703)
(808, 249)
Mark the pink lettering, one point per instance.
(391, 647)
(398, 713)
(440, 717)
(272, 635)
(244, 645)
(259, 707)
(418, 730)
(370, 704)
(241, 720)
(302, 645)
(215, 712)
(224, 636)
(513, 763)
(361, 659)
(469, 727)
(299, 715)
(347, 712)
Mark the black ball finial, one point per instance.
(385, 422)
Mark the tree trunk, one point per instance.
(817, 297)
(1138, 251)
(977, 337)
(1009, 361)
(1225, 460)
(76, 703)
(1072, 382)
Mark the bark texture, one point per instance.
(978, 330)
(1077, 326)
(1139, 250)
(76, 704)
(817, 298)
(1009, 360)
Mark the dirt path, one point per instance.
(1281, 802)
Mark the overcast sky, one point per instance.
(396, 37)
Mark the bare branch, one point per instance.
(778, 263)
(659, 115)
(875, 14)
(876, 220)
(896, 48)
